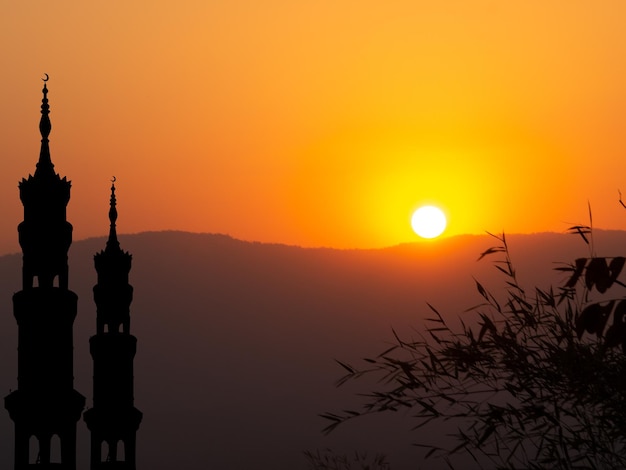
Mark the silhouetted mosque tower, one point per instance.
(45, 407)
(113, 418)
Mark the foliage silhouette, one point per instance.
(538, 382)
(328, 460)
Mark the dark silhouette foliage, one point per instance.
(329, 460)
(538, 380)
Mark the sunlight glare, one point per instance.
(428, 222)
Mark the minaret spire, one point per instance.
(44, 165)
(112, 243)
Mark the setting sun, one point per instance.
(428, 222)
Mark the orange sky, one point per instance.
(319, 122)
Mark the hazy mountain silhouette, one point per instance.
(237, 339)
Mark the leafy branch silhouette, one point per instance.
(328, 460)
(538, 381)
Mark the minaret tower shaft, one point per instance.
(113, 418)
(45, 403)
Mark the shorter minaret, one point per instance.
(113, 419)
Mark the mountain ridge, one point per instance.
(237, 339)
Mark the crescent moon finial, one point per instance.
(113, 180)
(47, 77)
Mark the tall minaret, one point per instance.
(45, 403)
(113, 418)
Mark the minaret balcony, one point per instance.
(45, 306)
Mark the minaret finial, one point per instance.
(113, 243)
(45, 163)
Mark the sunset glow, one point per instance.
(322, 122)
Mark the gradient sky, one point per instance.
(319, 122)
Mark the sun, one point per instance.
(428, 221)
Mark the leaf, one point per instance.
(616, 266)
(581, 230)
(434, 336)
(428, 407)
(400, 342)
(489, 251)
(616, 334)
(593, 319)
(436, 313)
(486, 325)
(505, 271)
(578, 270)
(345, 366)
(547, 298)
(488, 432)
(598, 274)
(481, 290)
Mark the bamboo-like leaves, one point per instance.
(593, 319)
(616, 333)
(534, 377)
(582, 230)
(577, 270)
(599, 273)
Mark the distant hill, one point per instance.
(237, 339)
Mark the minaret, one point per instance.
(45, 403)
(113, 417)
